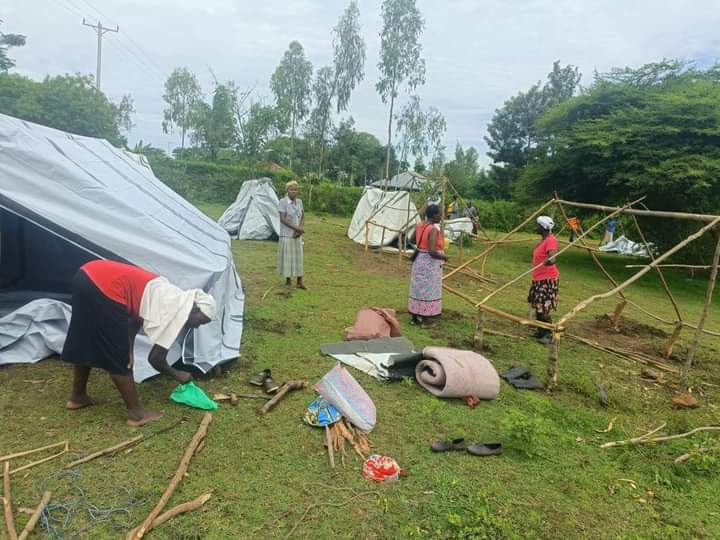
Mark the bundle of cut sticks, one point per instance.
(343, 431)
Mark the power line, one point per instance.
(126, 35)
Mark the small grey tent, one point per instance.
(254, 214)
(67, 199)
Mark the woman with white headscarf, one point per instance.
(543, 295)
(111, 301)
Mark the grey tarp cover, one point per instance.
(74, 199)
(254, 214)
(369, 356)
(625, 246)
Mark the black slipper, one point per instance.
(444, 446)
(485, 449)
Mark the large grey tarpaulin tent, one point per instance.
(67, 199)
(254, 214)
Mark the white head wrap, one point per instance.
(206, 304)
(165, 309)
(546, 222)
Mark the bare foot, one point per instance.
(181, 376)
(301, 286)
(80, 402)
(143, 417)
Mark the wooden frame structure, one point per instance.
(709, 222)
(403, 231)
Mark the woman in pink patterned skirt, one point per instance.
(425, 298)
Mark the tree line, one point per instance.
(647, 131)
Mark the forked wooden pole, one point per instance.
(669, 253)
(673, 338)
(35, 516)
(705, 313)
(616, 314)
(146, 525)
(367, 232)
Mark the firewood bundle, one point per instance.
(340, 433)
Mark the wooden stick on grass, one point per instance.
(647, 439)
(41, 461)
(147, 525)
(28, 452)
(107, 451)
(181, 508)
(7, 503)
(35, 517)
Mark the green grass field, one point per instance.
(553, 481)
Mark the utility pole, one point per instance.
(100, 30)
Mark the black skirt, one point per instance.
(98, 333)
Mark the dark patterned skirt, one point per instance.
(98, 333)
(543, 295)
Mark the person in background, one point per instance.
(453, 208)
(609, 231)
(574, 224)
(425, 297)
(290, 241)
(111, 301)
(543, 294)
(472, 214)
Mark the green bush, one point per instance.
(332, 199)
(209, 182)
(500, 215)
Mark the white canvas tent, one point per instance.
(254, 214)
(407, 181)
(67, 199)
(391, 209)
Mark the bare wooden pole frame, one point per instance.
(504, 237)
(585, 303)
(637, 212)
(665, 285)
(705, 313)
(560, 252)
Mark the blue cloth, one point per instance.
(612, 225)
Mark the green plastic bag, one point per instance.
(189, 394)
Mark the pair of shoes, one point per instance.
(520, 377)
(264, 379)
(477, 449)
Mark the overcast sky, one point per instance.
(478, 52)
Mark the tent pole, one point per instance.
(705, 313)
